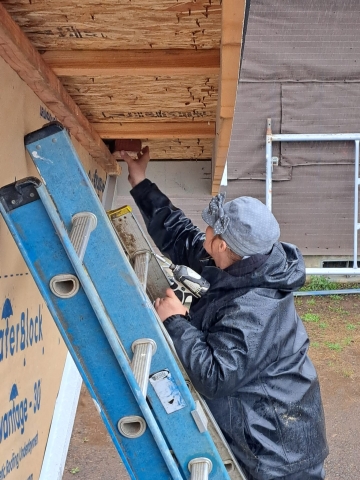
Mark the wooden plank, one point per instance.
(153, 130)
(226, 111)
(230, 58)
(233, 14)
(18, 52)
(133, 62)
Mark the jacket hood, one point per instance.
(283, 269)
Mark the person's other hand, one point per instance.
(136, 166)
(169, 305)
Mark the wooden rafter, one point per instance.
(18, 52)
(152, 130)
(133, 62)
(233, 14)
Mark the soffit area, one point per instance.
(147, 70)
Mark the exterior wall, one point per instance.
(32, 353)
(300, 68)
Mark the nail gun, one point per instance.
(195, 283)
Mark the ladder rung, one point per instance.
(132, 426)
(83, 223)
(141, 266)
(64, 285)
(143, 349)
(200, 468)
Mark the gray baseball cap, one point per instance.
(246, 224)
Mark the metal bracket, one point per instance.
(199, 417)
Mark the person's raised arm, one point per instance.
(136, 166)
(173, 233)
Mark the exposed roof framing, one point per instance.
(163, 71)
(134, 62)
(154, 130)
(18, 52)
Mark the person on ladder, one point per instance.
(242, 344)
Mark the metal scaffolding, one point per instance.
(353, 137)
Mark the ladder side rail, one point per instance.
(331, 137)
(80, 328)
(109, 192)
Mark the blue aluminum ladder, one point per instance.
(105, 317)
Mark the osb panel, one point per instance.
(181, 149)
(118, 24)
(150, 98)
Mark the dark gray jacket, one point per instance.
(244, 346)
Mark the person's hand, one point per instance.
(136, 166)
(169, 305)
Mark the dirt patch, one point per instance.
(92, 455)
(333, 325)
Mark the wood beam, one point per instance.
(22, 57)
(152, 130)
(133, 62)
(232, 23)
